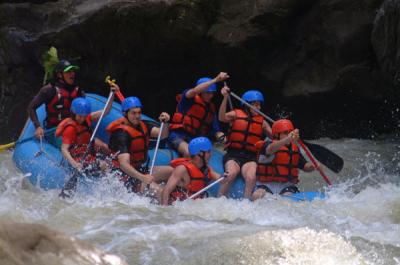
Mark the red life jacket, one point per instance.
(245, 131)
(59, 107)
(139, 142)
(198, 180)
(197, 120)
(283, 168)
(83, 133)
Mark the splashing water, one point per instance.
(359, 222)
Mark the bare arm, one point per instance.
(67, 155)
(214, 175)
(96, 115)
(267, 129)
(203, 86)
(124, 161)
(173, 181)
(164, 117)
(275, 146)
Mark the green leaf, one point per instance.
(49, 60)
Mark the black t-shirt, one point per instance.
(120, 140)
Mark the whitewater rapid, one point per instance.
(358, 223)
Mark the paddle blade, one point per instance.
(6, 146)
(330, 159)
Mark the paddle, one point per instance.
(229, 99)
(302, 146)
(71, 183)
(156, 149)
(118, 93)
(207, 187)
(13, 144)
(330, 159)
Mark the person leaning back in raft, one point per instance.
(279, 162)
(129, 143)
(57, 96)
(246, 129)
(190, 175)
(76, 131)
(196, 114)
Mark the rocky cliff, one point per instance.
(328, 64)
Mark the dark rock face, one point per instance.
(312, 59)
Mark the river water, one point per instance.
(357, 224)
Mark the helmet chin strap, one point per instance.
(202, 156)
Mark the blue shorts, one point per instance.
(176, 137)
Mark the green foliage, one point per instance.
(49, 60)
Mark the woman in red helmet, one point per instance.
(279, 162)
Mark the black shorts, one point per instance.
(241, 157)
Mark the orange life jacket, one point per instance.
(59, 107)
(197, 120)
(283, 168)
(139, 143)
(245, 131)
(198, 180)
(83, 133)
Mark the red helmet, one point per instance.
(282, 126)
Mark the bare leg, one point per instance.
(157, 189)
(183, 149)
(232, 168)
(249, 174)
(162, 173)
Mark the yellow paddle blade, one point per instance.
(6, 146)
(109, 80)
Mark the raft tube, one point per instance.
(45, 167)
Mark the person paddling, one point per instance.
(196, 114)
(57, 96)
(192, 174)
(129, 143)
(246, 129)
(75, 133)
(279, 161)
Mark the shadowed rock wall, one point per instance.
(313, 59)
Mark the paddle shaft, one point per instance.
(302, 146)
(229, 99)
(156, 149)
(206, 188)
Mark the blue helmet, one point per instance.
(199, 144)
(131, 102)
(253, 95)
(81, 106)
(212, 88)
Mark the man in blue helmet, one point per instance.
(190, 174)
(129, 142)
(246, 128)
(196, 114)
(57, 96)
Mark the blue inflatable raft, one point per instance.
(45, 167)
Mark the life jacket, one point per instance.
(245, 131)
(83, 133)
(198, 180)
(197, 120)
(283, 168)
(59, 107)
(139, 145)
